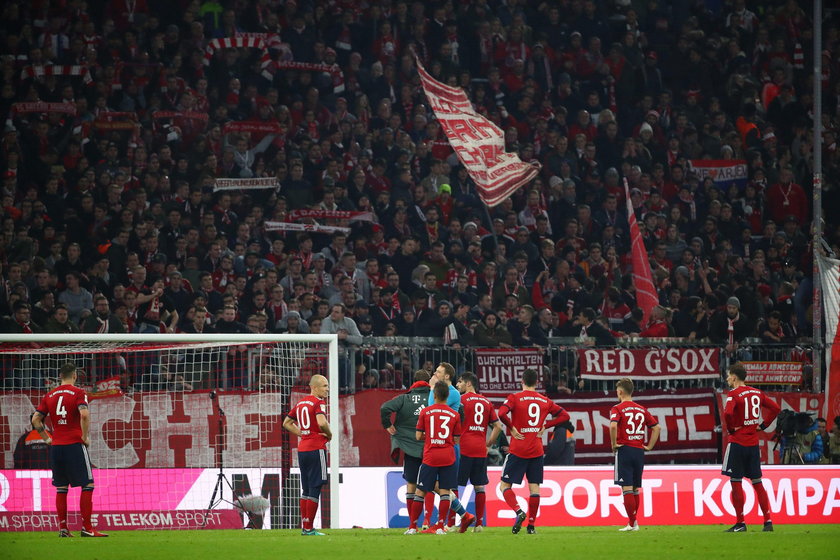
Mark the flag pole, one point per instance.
(818, 342)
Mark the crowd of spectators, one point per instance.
(110, 220)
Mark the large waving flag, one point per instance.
(479, 143)
(642, 278)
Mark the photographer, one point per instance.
(801, 443)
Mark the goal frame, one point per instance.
(332, 368)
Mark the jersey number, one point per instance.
(752, 407)
(636, 421)
(303, 417)
(478, 416)
(443, 430)
(533, 414)
(59, 408)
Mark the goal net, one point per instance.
(186, 430)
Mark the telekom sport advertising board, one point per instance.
(571, 496)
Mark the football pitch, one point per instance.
(811, 542)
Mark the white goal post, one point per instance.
(169, 377)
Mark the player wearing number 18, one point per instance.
(308, 421)
(628, 421)
(743, 417)
(441, 428)
(528, 411)
(67, 408)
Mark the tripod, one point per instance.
(221, 479)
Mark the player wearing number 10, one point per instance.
(308, 421)
(627, 436)
(67, 408)
(743, 416)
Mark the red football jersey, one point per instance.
(441, 425)
(743, 415)
(632, 419)
(528, 410)
(61, 405)
(305, 414)
(478, 415)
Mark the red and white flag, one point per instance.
(646, 297)
(479, 143)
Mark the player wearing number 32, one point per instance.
(743, 416)
(528, 411)
(441, 428)
(308, 421)
(628, 423)
(67, 408)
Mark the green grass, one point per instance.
(707, 542)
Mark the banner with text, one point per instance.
(767, 441)
(649, 363)
(774, 373)
(723, 172)
(499, 370)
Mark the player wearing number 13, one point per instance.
(67, 408)
(743, 417)
(308, 421)
(441, 428)
(628, 421)
(528, 411)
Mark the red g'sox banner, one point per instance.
(499, 370)
(649, 363)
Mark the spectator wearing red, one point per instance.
(787, 198)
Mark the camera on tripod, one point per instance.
(789, 423)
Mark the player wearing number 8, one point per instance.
(67, 408)
(528, 411)
(308, 421)
(441, 428)
(743, 417)
(628, 423)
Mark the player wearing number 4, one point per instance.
(528, 411)
(308, 421)
(628, 421)
(441, 428)
(743, 416)
(67, 408)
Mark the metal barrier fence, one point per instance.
(390, 362)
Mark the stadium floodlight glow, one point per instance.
(157, 420)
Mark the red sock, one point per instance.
(415, 508)
(61, 507)
(630, 507)
(313, 509)
(533, 508)
(763, 500)
(302, 505)
(86, 505)
(738, 500)
(443, 511)
(428, 506)
(480, 504)
(638, 508)
(450, 521)
(510, 499)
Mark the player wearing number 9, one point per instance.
(743, 417)
(67, 408)
(628, 423)
(528, 411)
